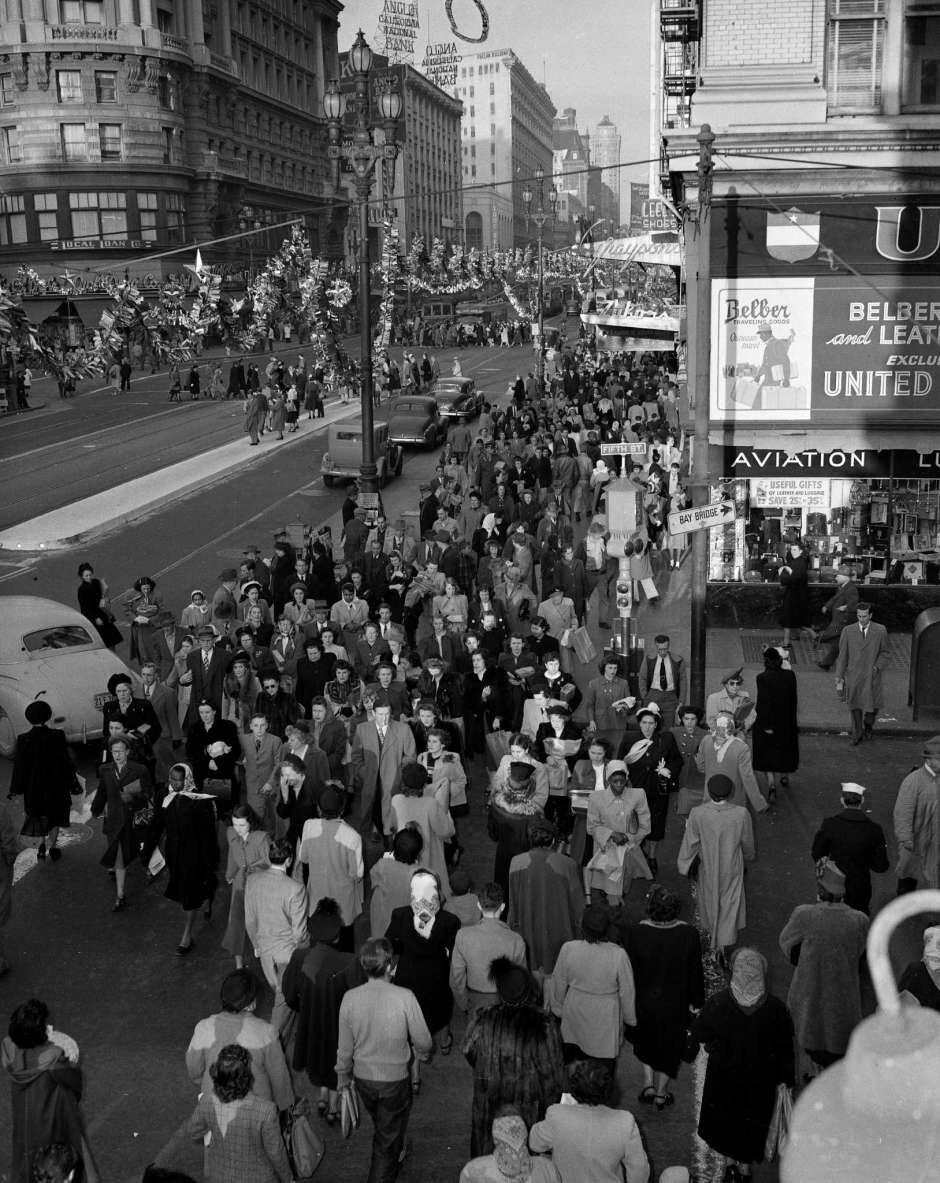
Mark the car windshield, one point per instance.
(59, 636)
(413, 408)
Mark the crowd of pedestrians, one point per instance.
(314, 727)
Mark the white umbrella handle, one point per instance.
(879, 935)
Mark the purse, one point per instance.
(305, 1147)
(349, 1109)
(779, 1129)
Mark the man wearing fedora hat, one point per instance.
(44, 776)
(917, 823)
(208, 665)
(163, 643)
(842, 609)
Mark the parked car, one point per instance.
(415, 419)
(49, 650)
(458, 398)
(343, 456)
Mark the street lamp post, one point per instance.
(540, 216)
(362, 153)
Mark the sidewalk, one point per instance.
(91, 516)
(820, 708)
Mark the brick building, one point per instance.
(131, 126)
(821, 312)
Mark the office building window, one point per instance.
(165, 20)
(7, 90)
(12, 152)
(147, 208)
(98, 215)
(922, 54)
(473, 170)
(69, 85)
(109, 141)
(74, 141)
(175, 217)
(855, 54)
(169, 155)
(12, 220)
(106, 86)
(46, 206)
(81, 12)
(166, 93)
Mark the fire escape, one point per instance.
(680, 24)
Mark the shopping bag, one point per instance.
(583, 645)
(497, 746)
(779, 1129)
(304, 1145)
(349, 1109)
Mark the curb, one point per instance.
(29, 537)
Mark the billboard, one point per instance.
(837, 350)
(648, 215)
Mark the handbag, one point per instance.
(349, 1109)
(582, 644)
(305, 1147)
(779, 1129)
(497, 746)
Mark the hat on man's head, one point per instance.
(38, 712)
(253, 549)
(850, 789)
(229, 575)
(932, 747)
(163, 618)
(720, 787)
(205, 630)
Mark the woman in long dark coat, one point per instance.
(423, 936)
(775, 732)
(314, 984)
(512, 807)
(191, 849)
(124, 789)
(93, 603)
(516, 1054)
(794, 579)
(749, 1036)
(486, 702)
(666, 957)
(654, 764)
(44, 775)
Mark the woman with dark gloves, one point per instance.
(486, 702)
(213, 750)
(124, 795)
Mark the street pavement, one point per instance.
(114, 983)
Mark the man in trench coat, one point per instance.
(379, 749)
(863, 653)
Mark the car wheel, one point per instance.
(7, 735)
(328, 482)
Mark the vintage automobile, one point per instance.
(415, 419)
(50, 651)
(458, 398)
(343, 456)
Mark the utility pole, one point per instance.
(699, 483)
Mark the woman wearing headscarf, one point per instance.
(422, 936)
(515, 1051)
(44, 776)
(191, 849)
(592, 991)
(749, 1035)
(922, 978)
(666, 956)
(775, 732)
(197, 612)
(654, 764)
(510, 1161)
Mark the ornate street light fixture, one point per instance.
(362, 150)
(540, 216)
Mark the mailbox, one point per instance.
(924, 688)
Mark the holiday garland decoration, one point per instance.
(388, 274)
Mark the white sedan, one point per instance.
(50, 651)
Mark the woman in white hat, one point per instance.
(654, 764)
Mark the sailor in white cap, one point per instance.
(855, 843)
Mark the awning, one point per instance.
(39, 309)
(90, 309)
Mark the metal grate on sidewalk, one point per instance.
(753, 644)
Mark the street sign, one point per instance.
(687, 521)
(625, 449)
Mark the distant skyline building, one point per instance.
(605, 153)
(506, 134)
